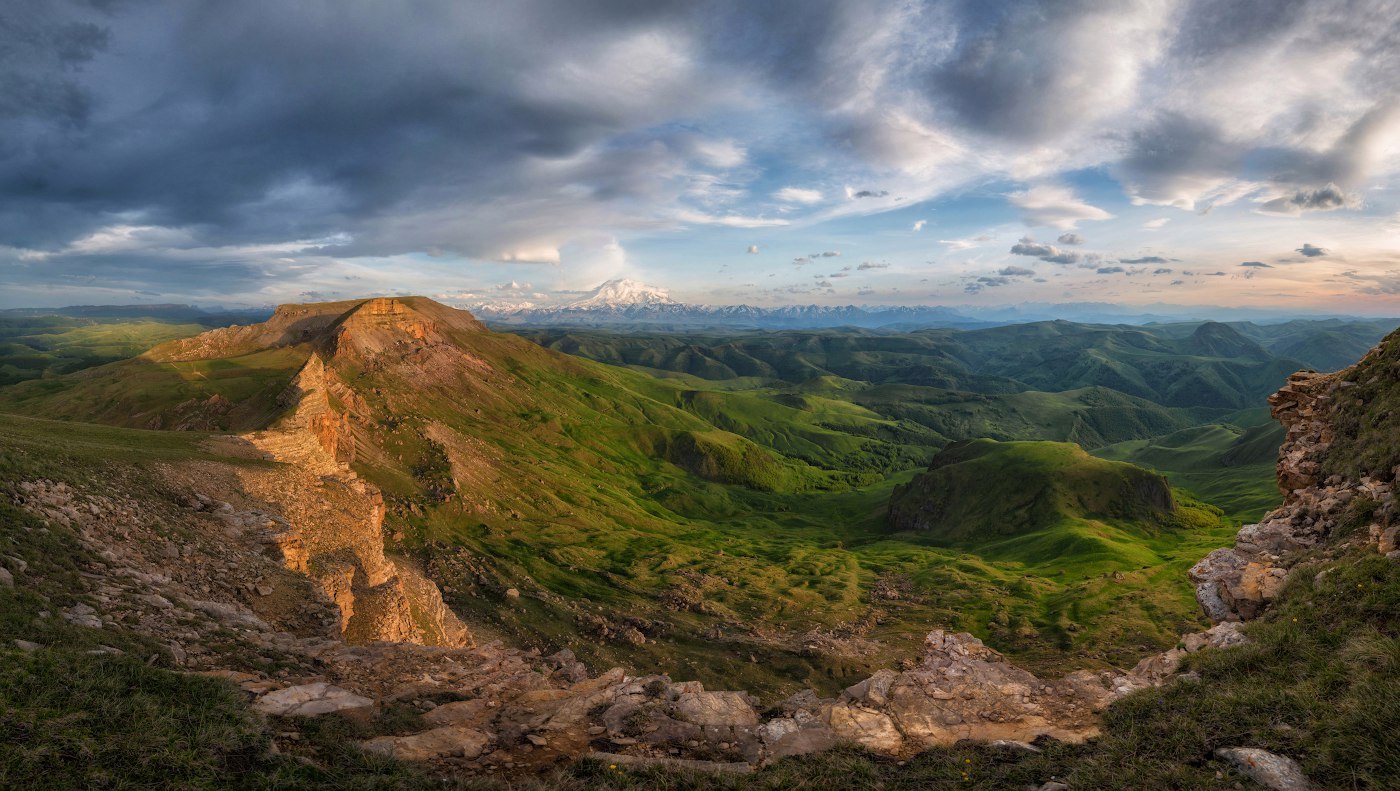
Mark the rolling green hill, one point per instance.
(32, 347)
(1209, 365)
(1229, 464)
(980, 490)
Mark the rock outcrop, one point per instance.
(1237, 583)
(331, 522)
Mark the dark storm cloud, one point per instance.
(1147, 259)
(1164, 159)
(1311, 251)
(1015, 271)
(1070, 238)
(41, 44)
(1256, 265)
(986, 281)
(870, 194)
(288, 120)
(136, 272)
(1110, 270)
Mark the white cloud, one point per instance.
(753, 249)
(919, 225)
(728, 220)
(720, 153)
(965, 244)
(798, 195)
(1054, 206)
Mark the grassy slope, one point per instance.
(72, 719)
(132, 392)
(1316, 683)
(1230, 465)
(33, 347)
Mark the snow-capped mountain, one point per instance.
(626, 302)
(620, 293)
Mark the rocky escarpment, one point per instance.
(332, 526)
(372, 324)
(1322, 514)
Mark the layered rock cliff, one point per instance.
(334, 520)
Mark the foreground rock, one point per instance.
(453, 741)
(1271, 771)
(310, 700)
(240, 570)
(1238, 583)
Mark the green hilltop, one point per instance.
(981, 490)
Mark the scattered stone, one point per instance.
(309, 700)
(7, 580)
(716, 709)
(26, 646)
(82, 615)
(1012, 744)
(461, 712)
(1272, 771)
(452, 741)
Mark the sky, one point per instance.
(1242, 153)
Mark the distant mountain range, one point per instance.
(630, 304)
(620, 303)
(625, 304)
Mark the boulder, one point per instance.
(1272, 771)
(866, 727)
(452, 741)
(803, 741)
(310, 700)
(719, 709)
